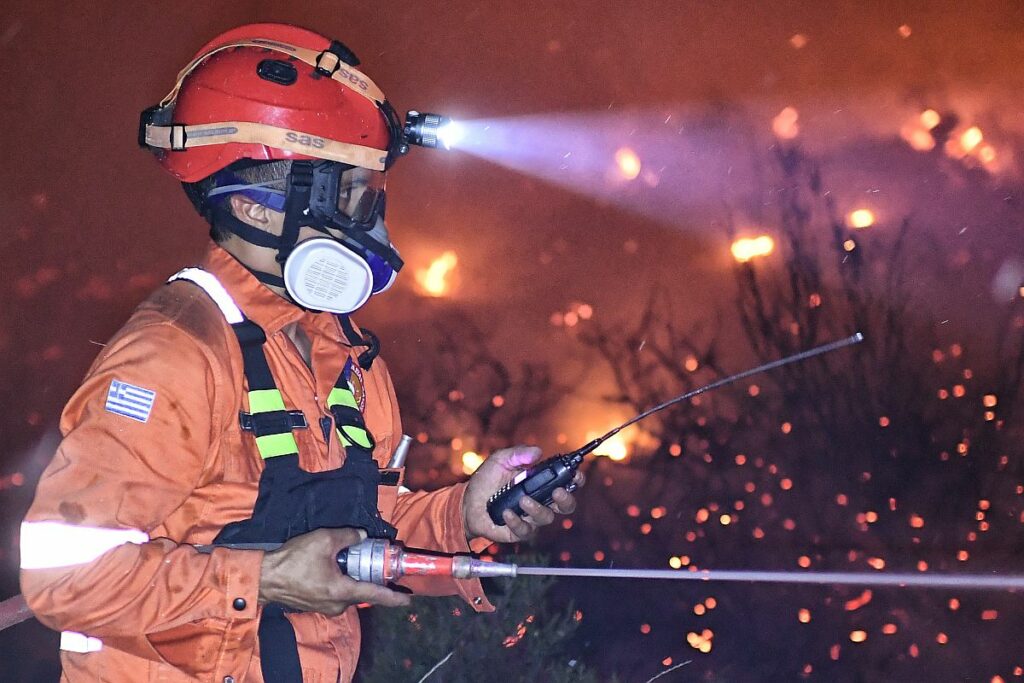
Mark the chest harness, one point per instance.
(290, 500)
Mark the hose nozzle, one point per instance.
(380, 561)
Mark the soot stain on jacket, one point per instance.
(72, 512)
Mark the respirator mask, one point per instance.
(353, 259)
(325, 274)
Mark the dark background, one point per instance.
(91, 224)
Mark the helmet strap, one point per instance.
(296, 206)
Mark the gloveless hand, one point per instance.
(304, 575)
(501, 467)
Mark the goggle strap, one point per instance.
(238, 187)
(181, 137)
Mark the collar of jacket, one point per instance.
(260, 304)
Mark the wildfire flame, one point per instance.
(471, 460)
(747, 248)
(861, 218)
(433, 278)
(616, 448)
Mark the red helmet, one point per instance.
(269, 92)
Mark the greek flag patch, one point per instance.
(130, 400)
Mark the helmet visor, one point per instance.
(361, 194)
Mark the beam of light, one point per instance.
(659, 164)
(692, 157)
(747, 248)
(451, 134)
(433, 278)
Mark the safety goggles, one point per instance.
(360, 195)
(347, 195)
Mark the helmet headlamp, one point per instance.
(431, 130)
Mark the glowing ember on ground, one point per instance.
(930, 118)
(971, 138)
(784, 125)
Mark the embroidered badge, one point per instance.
(356, 384)
(130, 400)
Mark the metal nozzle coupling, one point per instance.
(465, 567)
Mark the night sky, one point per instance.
(911, 111)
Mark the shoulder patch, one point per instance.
(130, 401)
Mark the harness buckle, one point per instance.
(277, 422)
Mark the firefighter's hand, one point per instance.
(304, 574)
(501, 467)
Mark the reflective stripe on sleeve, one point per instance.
(79, 642)
(46, 545)
(212, 286)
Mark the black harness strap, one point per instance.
(291, 501)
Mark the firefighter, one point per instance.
(241, 403)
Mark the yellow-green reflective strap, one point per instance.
(265, 401)
(350, 434)
(273, 445)
(341, 397)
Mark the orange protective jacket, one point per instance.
(107, 550)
